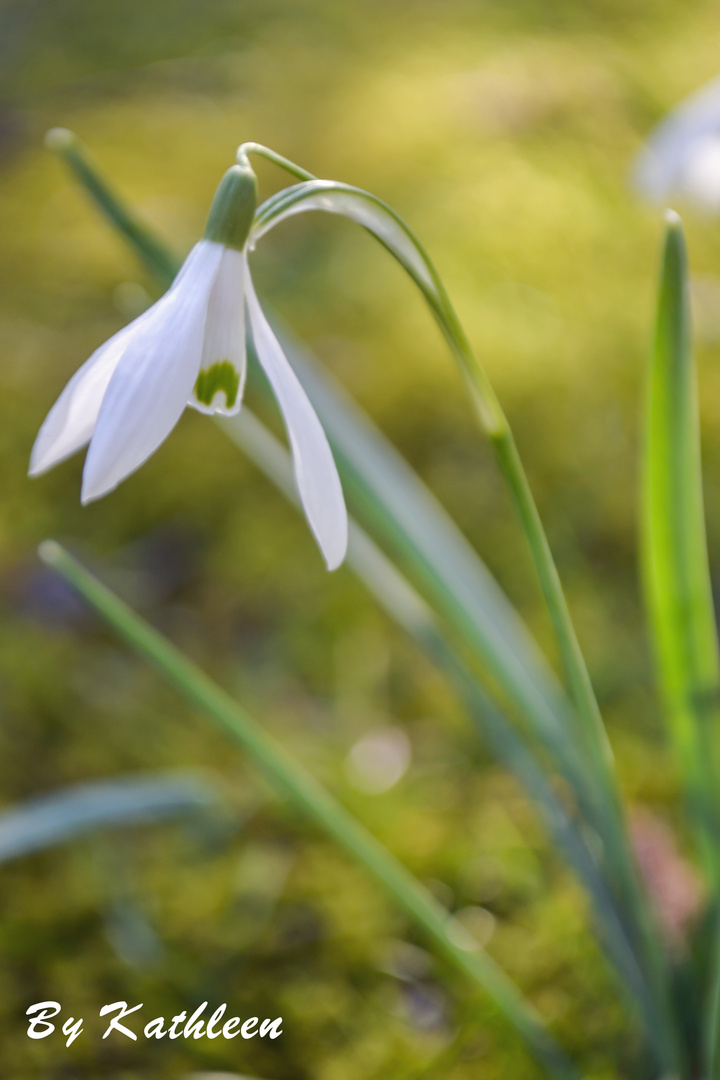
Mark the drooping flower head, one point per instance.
(189, 349)
(681, 159)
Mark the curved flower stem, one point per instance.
(247, 148)
(294, 782)
(489, 410)
(508, 457)
(593, 747)
(382, 221)
(597, 746)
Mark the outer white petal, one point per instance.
(315, 472)
(224, 347)
(153, 380)
(71, 421)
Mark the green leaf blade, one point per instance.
(161, 263)
(314, 802)
(59, 816)
(675, 567)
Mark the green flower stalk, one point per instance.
(593, 771)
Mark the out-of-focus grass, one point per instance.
(504, 135)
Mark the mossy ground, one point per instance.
(504, 134)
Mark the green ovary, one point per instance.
(221, 376)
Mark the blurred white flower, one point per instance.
(189, 349)
(682, 156)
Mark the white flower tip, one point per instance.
(316, 475)
(50, 552)
(41, 456)
(36, 466)
(59, 138)
(672, 219)
(335, 550)
(95, 484)
(91, 493)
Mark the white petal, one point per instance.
(315, 472)
(222, 370)
(153, 379)
(71, 421)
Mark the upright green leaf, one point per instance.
(674, 550)
(676, 577)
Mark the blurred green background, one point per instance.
(504, 133)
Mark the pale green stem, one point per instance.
(263, 151)
(308, 796)
(497, 427)
(594, 747)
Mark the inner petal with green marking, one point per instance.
(220, 377)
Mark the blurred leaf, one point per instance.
(74, 811)
(152, 251)
(317, 804)
(674, 549)
(678, 590)
(400, 511)
(403, 514)
(397, 596)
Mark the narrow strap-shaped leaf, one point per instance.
(62, 815)
(398, 598)
(313, 801)
(401, 512)
(391, 499)
(153, 252)
(676, 578)
(675, 568)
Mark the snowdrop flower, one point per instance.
(682, 156)
(189, 349)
